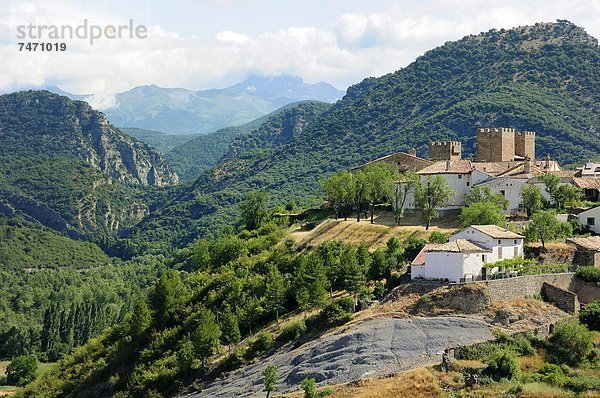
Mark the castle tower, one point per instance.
(445, 150)
(525, 144)
(496, 144)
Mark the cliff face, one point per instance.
(65, 166)
(48, 124)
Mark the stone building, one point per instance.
(445, 150)
(405, 161)
(504, 145)
(588, 250)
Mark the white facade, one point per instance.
(465, 260)
(454, 267)
(501, 248)
(591, 218)
(510, 188)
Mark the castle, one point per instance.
(493, 145)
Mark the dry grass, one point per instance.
(414, 383)
(531, 363)
(541, 390)
(373, 235)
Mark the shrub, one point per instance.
(590, 315)
(262, 342)
(309, 387)
(437, 237)
(233, 361)
(336, 313)
(550, 374)
(379, 290)
(292, 331)
(571, 343)
(21, 370)
(589, 274)
(503, 365)
(581, 384)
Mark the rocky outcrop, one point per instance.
(39, 122)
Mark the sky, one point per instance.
(200, 44)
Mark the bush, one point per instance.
(590, 315)
(379, 290)
(336, 313)
(21, 370)
(581, 384)
(571, 343)
(589, 274)
(262, 342)
(292, 331)
(437, 237)
(309, 387)
(503, 365)
(550, 374)
(233, 361)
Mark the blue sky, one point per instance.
(201, 44)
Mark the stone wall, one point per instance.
(525, 144)
(496, 144)
(445, 150)
(561, 298)
(586, 291)
(529, 285)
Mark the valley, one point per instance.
(430, 232)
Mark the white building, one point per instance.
(464, 257)
(591, 218)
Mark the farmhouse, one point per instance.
(464, 257)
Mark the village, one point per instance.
(505, 163)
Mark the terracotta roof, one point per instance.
(459, 246)
(406, 161)
(489, 167)
(448, 167)
(587, 182)
(589, 243)
(518, 171)
(420, 259)
(497, 232)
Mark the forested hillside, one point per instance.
(543, 78)
(192, 158)
(57, 293)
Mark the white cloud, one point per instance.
(357, 45)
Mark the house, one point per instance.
(405, 161)
(464, 257)
(588, 250)
(591, 218)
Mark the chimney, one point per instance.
(527, 165)
(412, 152)
(448, 163)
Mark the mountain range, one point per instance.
(183, 111)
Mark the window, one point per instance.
(591, 221)
(515, 241)
(499, 242)
(503, 193)
(468, 183)
(460, 176)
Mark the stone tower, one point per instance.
(525, 144)
(445, 150)
(496, 144)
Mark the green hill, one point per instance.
(162, 142)
(192, 158)
(543, 78)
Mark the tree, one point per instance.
(309, 386)
(563, 195)
(206, 336)
(230, 329)
(434, 193)
(254, 209)
(340, 192)
(21, 370)
(141, 319)
(310, 281)
(362, 189)
(394, 252)
(532, 199)
(590, 315)
(401, 187)
(270, 379)
(275, 290)
(486, 213)
(571, 343)
(355, 277)
(484, 194)
(545, 226)
(380, 177)
(166, 297)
